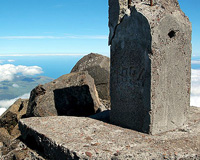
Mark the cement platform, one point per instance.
(63, 138)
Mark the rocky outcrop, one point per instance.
(11, 148)
(98, 67)
(84, 138)
(72, 94)
(9, 119)
(106, 104)
(5, 137)
(17, 150)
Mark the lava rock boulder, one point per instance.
(9, 119)
(98, 67)
(72, 94)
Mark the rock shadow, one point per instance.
(74, 101)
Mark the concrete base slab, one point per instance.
(63, 138)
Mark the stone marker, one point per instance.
(150, 65)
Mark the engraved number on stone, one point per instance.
(132, 73)
(124, 74)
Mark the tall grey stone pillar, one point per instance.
(150, 65)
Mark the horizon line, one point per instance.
(43, 54)
(57, 37)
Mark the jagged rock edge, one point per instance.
(46, 143)
(114, 32)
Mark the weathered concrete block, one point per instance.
(64, 138)
(150, 65)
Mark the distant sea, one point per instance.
(53, 66)
(56, 66)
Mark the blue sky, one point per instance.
(53, 26)
(192, 9)
(66, 26)
(36, 27)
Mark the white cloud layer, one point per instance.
(4, 104)
(31, 37)
(195, 62)
(3, 61)
(11, 60)
(195, 88)
(29, 55)
(8, 71)
(2, 110)
(57, 37)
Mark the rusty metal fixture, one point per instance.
(151, 2)
(129, 3)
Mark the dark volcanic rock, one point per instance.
(11, 148)
(72, 94)
(4, 136)
(98, 67)
(102, 116)
(9, 119)
(17, 150)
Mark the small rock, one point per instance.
(1, 145)
(22, 146)
(88, 138)
(88, 154)
(95, 143)
(117, 153)
(86, 145)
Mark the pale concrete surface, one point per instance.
(84, 138)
